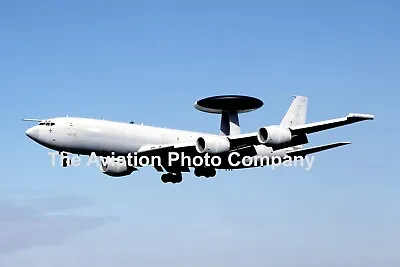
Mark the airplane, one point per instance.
(85, 136)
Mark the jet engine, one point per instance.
(274, 135)
(116, 167)
(212, 145)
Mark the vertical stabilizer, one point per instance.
(296, 114)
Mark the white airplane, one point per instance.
(85, 136)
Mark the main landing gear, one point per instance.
(174, 178)
(205, 171)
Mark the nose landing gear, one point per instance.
(66, 161)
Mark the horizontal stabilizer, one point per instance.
(305, 151)
(37, 120)
(329, 124)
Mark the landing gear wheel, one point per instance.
(206, 172)
(197, 172)
(178, 178)
(213, 172)
(165, 178)
(209, 172)
(171, 178)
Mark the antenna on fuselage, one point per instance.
(229, 106)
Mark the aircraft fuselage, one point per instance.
(84, 136)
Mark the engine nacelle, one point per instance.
(212, 145)
(116, 167)
(274, 135)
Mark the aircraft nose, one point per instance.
(33, 133)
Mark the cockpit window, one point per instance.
(47, 123)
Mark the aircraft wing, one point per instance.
(166, 151)
(329, 124)
(299, 131)
(241, 140)
(306, 151)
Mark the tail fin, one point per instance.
(296, 114)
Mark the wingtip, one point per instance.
(361, 116)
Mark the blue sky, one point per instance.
(149, 62)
